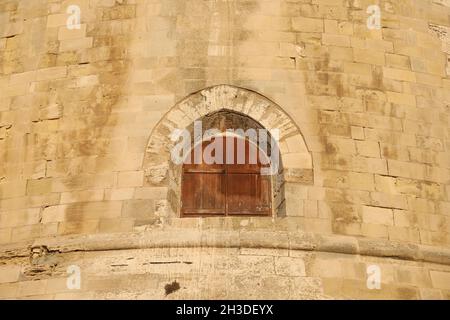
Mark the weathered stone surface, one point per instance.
(86, 176)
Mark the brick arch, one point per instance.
(295, 156)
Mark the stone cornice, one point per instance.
(182, 238)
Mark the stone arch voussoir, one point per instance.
(297, 160)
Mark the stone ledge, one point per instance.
(182, 238)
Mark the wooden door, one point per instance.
(233, 187)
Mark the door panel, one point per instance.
(242, 156)
(197, 159)
(241, 193)
(232, 188)
(203, 193)
(263, 204)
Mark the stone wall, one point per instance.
(230, 263)
(369, 156)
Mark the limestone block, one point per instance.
(401, 98)
(139, 209)
(398, 61)
(369, 56)
(9, 273)
(81, 211)
(357, 133)
(324, 210)
(56, 20)
(361, 181)
(301, 176)
(368, 149)
(57, 285)
(39, 187)
(51, 112)
(440, 280)
(26, 232)
(14, 90)
(395, 152)
(423, 205)
(341, 146)
(150, 193)
(75, 44)
(75, 296)
(116, 225)
(297, 160)
(5, 235)
(404, 218)
(326, 267)
(83, 182)
(69, 34)
(51, 73)
(78, 227)
(24, 77)
(404, 234)
(19, 218)
(288, 266)
(307, 24)
(13, 189)
(336, 40)
(406, 169)
(430, 294)
(156, 174)
(8, 290)
(386, 184)
(87, 81)
(376, 215)
(389, 200)
(294, 203)
(130, 179)
(119, 194)
(296, 144)
(82, 196)
(375, 230)
(12, 29)
(3, 133)
(311, 209)
(372, 165)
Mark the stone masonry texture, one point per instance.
(85, 173)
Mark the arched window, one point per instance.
(224, 177)
(226, 107)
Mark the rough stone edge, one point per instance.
(304, 241)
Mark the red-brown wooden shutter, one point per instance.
(225, 189)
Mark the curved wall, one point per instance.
(78, 109)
